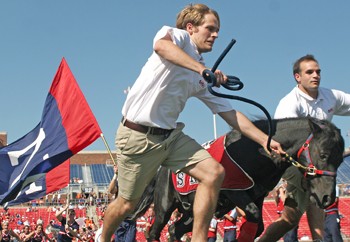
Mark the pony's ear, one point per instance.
(315, 125)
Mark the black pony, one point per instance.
(314, 147)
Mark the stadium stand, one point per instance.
(343, 172)
(101, 174)
(270, 215)
(76, 171)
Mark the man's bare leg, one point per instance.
(210, 175)
(315, 218)
(114, 215)
(289, 219)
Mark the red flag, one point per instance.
(79, 122)
(58, 177)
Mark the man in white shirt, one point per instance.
(306, 99)
(149, 135)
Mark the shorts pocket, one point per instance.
(130, 142)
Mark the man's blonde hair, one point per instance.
(194, 14)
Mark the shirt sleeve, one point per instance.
(213, 223)
(343, 103)
(233, 213)
(179, 37)
(214, 103)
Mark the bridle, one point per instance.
(310, 169)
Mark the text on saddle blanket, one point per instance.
(235, 179)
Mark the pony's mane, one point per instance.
(283, 123)
(298, 123)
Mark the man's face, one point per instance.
(205, 35)
(309, 77)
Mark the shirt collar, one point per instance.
(307, 97)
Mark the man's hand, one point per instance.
(217, 78)
(115, 169)
(275, 147)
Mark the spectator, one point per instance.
(7, 234)
(25, 232)
(175, 216)
(213, 227)
(280, 197)
(230, 226)
(149, 221)
(69, 227)
(332, 221)
(19, 221)
(38, 235)
(39, 221)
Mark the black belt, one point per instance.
(145, 129)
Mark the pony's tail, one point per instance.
(145, 201)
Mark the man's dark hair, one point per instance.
(71, 210)
(296, 66)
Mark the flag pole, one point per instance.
(67, 202)
(108, 149)
(214, 124)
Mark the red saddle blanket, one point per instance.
(235, 179)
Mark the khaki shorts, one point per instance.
(140, 155)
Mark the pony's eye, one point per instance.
(324, 156)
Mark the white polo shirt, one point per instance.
(160, 92)
(328, 103)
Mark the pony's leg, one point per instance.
(183, 226)
(164, 203)
(249, 228)
(252, 212)
(315, 218)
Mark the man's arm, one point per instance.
(60, 212)
(166, 49)
(73, 232)
(240, 122)
(29, 236)
(112, 187)
(228, 217)
(13, 234)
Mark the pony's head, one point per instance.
(322, 153)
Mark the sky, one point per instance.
(106, 43)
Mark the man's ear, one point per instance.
(190, 28)
(297, 77)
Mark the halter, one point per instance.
(309, 170)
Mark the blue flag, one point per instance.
(66, 127)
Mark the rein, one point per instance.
(309, 170)
(233, 83)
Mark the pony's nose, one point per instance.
(326, 201)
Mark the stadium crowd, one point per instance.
(37, 220)
(43, 223)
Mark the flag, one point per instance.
(67, 126)
(44, 184)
